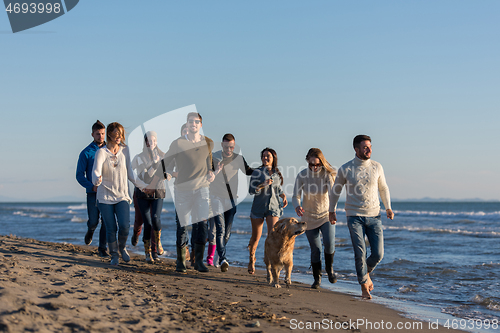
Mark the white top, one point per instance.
(115, 170)
(315, 187)
(364, 180)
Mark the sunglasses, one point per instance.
(195, 121)
(315, 165)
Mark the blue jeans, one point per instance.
(328, 232)
(93, 221)
(198, 233)
(223, 223)
(150, 213)
(359, 226)
(192, 206)
(116, 217)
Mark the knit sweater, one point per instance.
(192, 160)
(364, 180)
(115, 170)
(315, 187)
(146, 169)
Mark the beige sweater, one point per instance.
(115, 170)
(364, 180)
(314, 188)
(193, 162)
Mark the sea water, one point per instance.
(441, 261)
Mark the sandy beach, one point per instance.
(52, 287)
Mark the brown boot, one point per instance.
(159, 248)
(147, 250)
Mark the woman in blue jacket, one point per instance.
(268, 202)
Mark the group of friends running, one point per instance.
(205, 197)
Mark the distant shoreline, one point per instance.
(423, 200)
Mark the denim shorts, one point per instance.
(266, 213)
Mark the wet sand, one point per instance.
(51, 287)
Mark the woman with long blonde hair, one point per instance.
(311, 202)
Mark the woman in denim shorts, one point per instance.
(268, 202)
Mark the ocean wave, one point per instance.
(468, 313)
(241, 232)
(489, 265)
(444, 271)
(487, 302)
(408, 289)
(481, 214)
(445, 230)
(79, 207)
(396, 264)
(35, 216)
(77, 219)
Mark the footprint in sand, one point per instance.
(52, 306)
(82, 273)
(50, 296)
(60, 283)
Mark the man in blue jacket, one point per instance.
(84, 177)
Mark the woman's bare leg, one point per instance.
(271, 221)
(257, 225)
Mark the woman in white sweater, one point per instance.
(111, 170)
(313, 184)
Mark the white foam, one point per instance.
(444, 230)
(77, 219)
(451, 214)
(82, 206)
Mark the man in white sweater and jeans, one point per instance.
(364, 179)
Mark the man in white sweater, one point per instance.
(364, 179)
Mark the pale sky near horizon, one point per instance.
(422, 78)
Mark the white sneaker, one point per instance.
(224, 266)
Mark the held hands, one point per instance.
(149, 191)
(94, 188)
(300, 211)
(390, 214)
(332, 217)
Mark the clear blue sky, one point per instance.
(422, 78)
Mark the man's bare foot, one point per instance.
(365, 293)
(370, 283)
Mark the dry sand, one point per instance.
(51, 287)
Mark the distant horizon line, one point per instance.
(425, 199)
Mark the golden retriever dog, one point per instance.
(278, 250)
